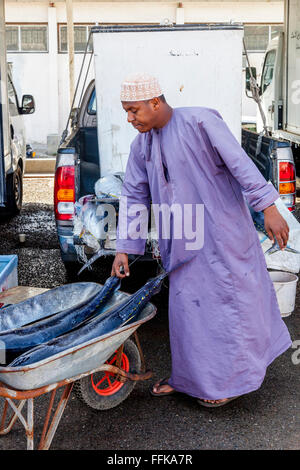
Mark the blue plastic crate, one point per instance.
(8, 272)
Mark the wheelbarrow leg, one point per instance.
(50, 406)
(5, 430)
(47, 436)
(28, 425)
(46, 439)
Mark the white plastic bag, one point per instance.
(110, 185)
(283, 260)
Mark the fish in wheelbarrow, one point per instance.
(115, 318)
(259, 222)
(21, 339)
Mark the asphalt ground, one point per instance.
(265, 419)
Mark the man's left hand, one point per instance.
(276, 226)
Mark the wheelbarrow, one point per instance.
(102, 371)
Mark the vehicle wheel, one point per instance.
(101, 391)
(72, 268)
(15, 191)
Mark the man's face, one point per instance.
(142, 114)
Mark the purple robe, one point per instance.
(224, 320)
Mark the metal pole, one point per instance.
(57, 417)
(70, 34)
(42, 439)
(255, 93)
(29, 429)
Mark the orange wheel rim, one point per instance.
(105, 383)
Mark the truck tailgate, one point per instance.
(260, 149)
(274, 159)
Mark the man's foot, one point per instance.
(215, 403)
(161, 388)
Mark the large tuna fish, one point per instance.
(21, 339)
(122, 314)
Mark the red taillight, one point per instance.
(286, 171)
(287, 184)
(64, 192)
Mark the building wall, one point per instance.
(46, 76)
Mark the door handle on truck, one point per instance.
(12, 132)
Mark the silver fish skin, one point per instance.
(98, 326)
(21, 339)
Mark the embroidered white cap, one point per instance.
(139, 87)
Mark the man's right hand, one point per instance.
(121, 259)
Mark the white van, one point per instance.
(12, 133)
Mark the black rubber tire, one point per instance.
(72, 268)
(84, 391)
(14, 188)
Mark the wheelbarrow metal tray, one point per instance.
(77, 360)
(46, 304)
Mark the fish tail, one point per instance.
(178, 265)
(97, 255)
(292, 250)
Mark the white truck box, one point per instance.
(197, 65)
(293, 67)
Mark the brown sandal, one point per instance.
(216, 405)
(160, 383)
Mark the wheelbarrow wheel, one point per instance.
(102, 390)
